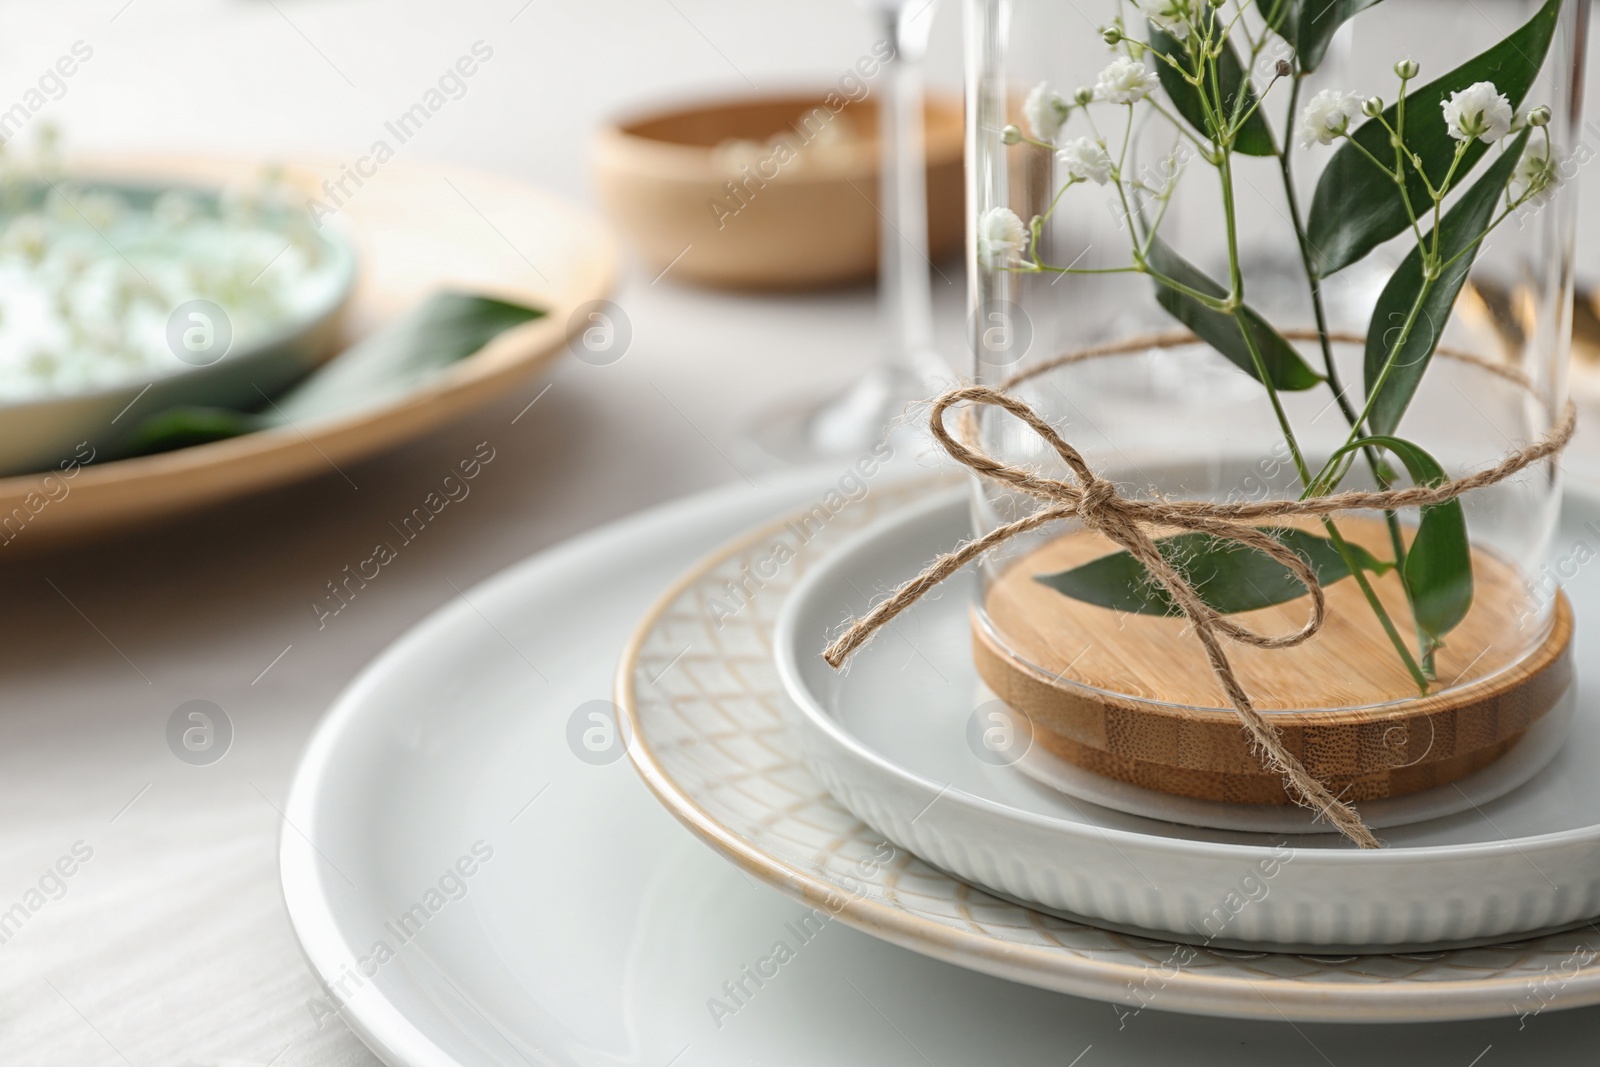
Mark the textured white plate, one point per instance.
(896, 739)
(706, 706)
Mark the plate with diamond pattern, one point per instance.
(705, 706)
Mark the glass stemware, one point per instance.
(909, 368)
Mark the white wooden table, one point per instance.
(169, 945)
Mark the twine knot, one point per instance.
(1097, 505)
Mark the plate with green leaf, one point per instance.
(469, 283)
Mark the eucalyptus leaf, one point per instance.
(444, 329)
(1222, 331)
(1459, 232)
(1357, 207)
(1438, 567)
(448, 327)
(1255, 136)
(1228, 576)
(1309, 25)
(188, 426)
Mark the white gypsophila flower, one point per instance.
(1169, 16)
(1001, 237)
(1045, 111)
(1536, 170)
(1328, 115)
(1125, 81)
(1480, 110)
(1085, 160)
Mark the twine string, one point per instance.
(1128, 522)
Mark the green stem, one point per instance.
(1227, 307)
(1045, 268)
(1476, 241)
(1040, 221)
(1428, 279)
(1165, 197)
(1338, 541)
(1397, 138)
(1235, 270)
(1419, 674)
(1340, 545)
(1319, 310)
(1127, 139)
(1183, 128)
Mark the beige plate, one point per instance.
(704, 702)
(415, 230)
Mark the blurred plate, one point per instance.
(414, 229)
(42, 430)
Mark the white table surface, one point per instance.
(171, 946)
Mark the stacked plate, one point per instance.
(598, 934)
(900, 740)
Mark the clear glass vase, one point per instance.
(1146, 232)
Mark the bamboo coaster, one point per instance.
(1133, 698)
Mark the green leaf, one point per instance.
(1356, 207)
(1255, 136)
(1438, 568)
(187, 426)
(1459, 229)
(1223, 331)
(1309, 25)
(444, 329)
(447, 328)
(1228, 576)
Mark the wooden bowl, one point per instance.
(411, 240)
(771, 193)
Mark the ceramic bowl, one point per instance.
(69, 428)
(772, 193)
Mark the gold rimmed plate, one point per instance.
(710, 737)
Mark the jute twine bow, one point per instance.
(1129, 522)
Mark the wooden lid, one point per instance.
(1132, 696)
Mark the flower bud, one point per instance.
(1539, 116)
(1407, 69)
(1284, 69)
(1011, 135)
(1084, 96)
(1113, 35)
(1372, 107)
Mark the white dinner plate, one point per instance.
(599, 929)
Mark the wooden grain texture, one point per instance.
(1132, 696)
(720, 219)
